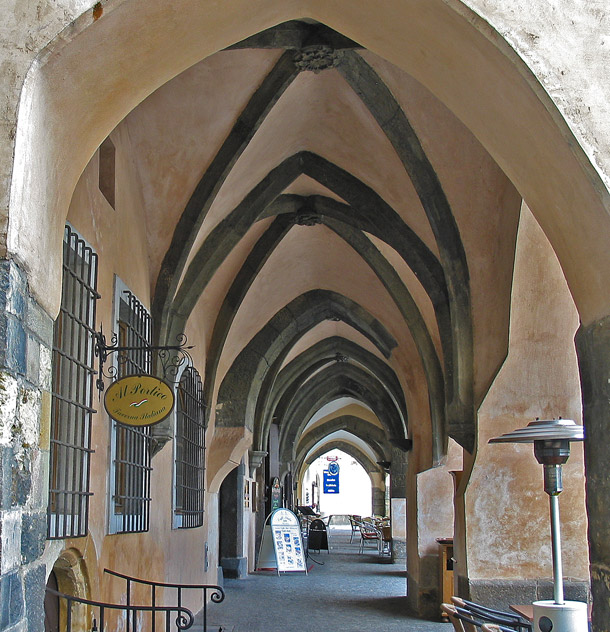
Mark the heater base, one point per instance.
(570, 616)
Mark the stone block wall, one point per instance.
(26, 334)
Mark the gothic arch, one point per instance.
(367, 465)
(265, 352)
(371, 434)
(329, 384)
(293, 377)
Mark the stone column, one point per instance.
(593, 348)
(378, 500)
(26, 334)
(398, 503)
(378, 493)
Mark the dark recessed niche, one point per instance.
(107, 171)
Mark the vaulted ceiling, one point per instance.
(326, 228)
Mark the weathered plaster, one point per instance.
(452, 23)
(567, 49)
(538, 379)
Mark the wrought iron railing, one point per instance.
(137, 617)
(216, 595)
(132, 613)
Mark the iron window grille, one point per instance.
(189, 464)
(72, 392)
(131, 445)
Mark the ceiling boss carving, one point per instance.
(307, 218)
(316, 58)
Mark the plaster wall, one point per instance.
(435, 514)
(165, 554)
(177, 126)
(538, 379)
(476, 59)
(354, 409)
(429, 515)
(328, 329)
(570, 58)
(207, 306)
(485, 206)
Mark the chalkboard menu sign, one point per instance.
(287, 541)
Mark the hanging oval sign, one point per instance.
(139, 400)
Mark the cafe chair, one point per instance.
(369, 533)
(386, 540)
(488, 615)
(461, 623)
(354, 522)
(494, 627)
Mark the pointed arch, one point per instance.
(371, 434)
(335, 381)
(239, 389)
(295, 375)
(350, 449)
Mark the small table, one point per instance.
(527, 611)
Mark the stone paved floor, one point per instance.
(351, 592)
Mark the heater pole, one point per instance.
(556, 544)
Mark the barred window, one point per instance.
(130, 445)
(72, 392)
(189, 464)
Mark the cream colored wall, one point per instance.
(435, 514)
(61, 123)
(162, 553)
(539, 379)
(467, 60)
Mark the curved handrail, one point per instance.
(148, 582)
(184, 617)
(216, 593)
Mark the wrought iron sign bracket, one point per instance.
(171, 357)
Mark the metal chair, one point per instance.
(369, 533)
(386, 540)
(355, 525)
(448, 610)
(489, 615)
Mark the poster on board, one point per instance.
(287, 541)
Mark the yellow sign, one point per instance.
(139, 400)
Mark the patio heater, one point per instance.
(551, 441)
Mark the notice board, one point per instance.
(287, 541)
(331, 483)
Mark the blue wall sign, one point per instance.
(331, 483)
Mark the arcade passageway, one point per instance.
(379, 228)
(347, 592)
